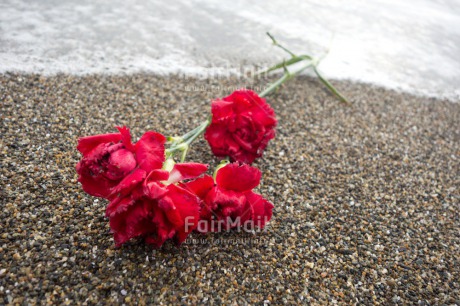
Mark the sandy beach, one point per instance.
(366, 198)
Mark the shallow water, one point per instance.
(408, 45)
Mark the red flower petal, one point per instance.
(245, 157)
(87, 144)
(118, 206)
(94, 185)
(134, 222)
(130, 182)
(121, 162)
(221, 109)
(157, 175)
(246, 213)
(155, 190)
(185, 171)
(152, 186)
(176, 215)
(186, 205)
(242, 124)
(201, 186)
(221, 209)
(248, 133)
(238, 177)
(242, 100)
(262, 209)
(150, 151)
(220, 140)
(164, 230)
(264, 115)
(125, 137)
(167, 205)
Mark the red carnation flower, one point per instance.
(229, 201)
(242, 125)
(109, 158)
(143, 206)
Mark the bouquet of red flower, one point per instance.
(153, 197)
(146, 189)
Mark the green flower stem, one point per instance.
(168, 165)
(199, 130)
(191, 133)
(311, 62)
(286, 77)
(274, 86)
(182, 144)
(184, 154)
(331, 88)
(286, 63)
(280, 46)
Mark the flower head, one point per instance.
(229, 201)
(142, 205)
(109, 158)
(242, 125)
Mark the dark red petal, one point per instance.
(226, 198)
(215, 135)
(225, 202)
(126, 137)
(87, 144)
(248, 134)
(158, 175)
(201, 186)
(184, 171)
(263, 144)
(121, 162)
(261, 207)
(134, 222)
(155, 190)
(221, 109)
(128, 183)
(238, 177)
(150, 151)
(118, 205)
(167, 205)
(246, 145)
(246, 213)
(241, 100)
(220, 140)
(244, 157)
(217, 208)
(176, 215)
(186, 204)
(264, 115)
(97, 186)
(164, 229)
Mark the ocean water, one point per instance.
(412, 45)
